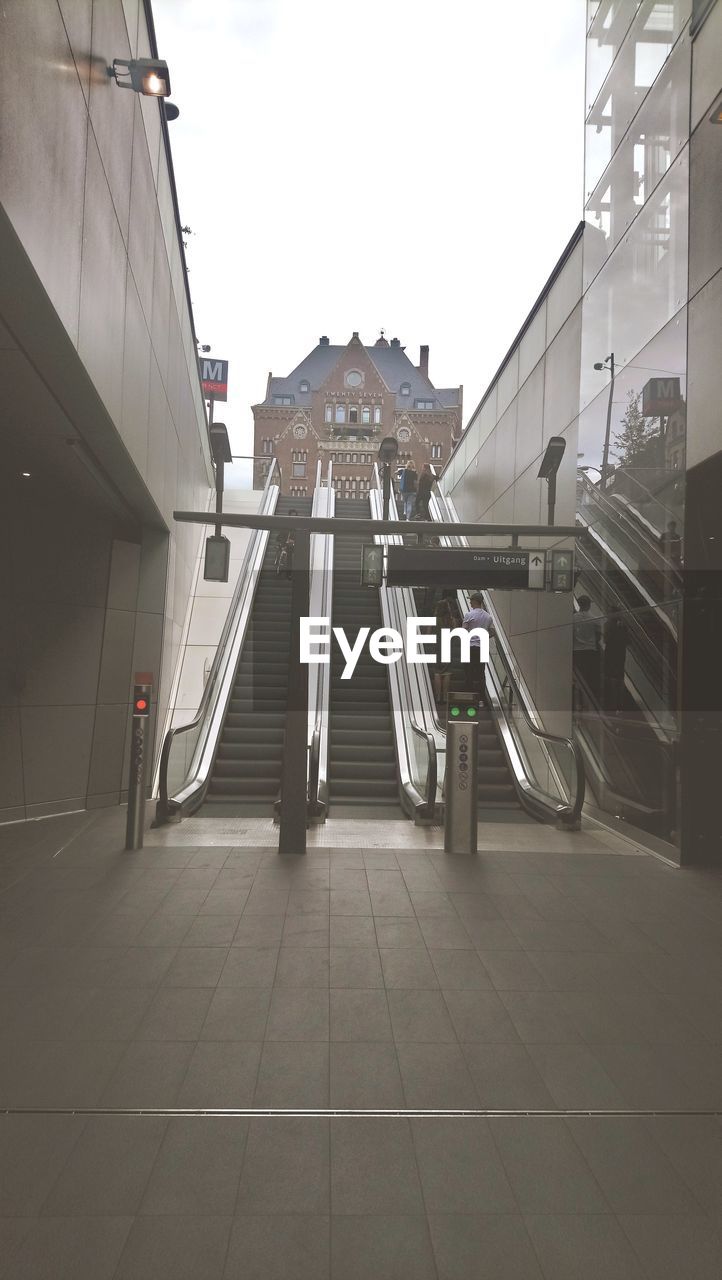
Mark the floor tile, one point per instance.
(211, 931)
(237, 1013)
(175, 1013)
(632, 1170)
(198, 1167)
(279, 1247)
(365, 1075)
(259, 931)
(302, 967)
(286, 1168)
(359, 1015)
(68, 1249)
(196, 967)
(592, 1246)
(33, 1150)
(408, 967)
(301, 1014)
(175, 1248)
(381, 1248)
(149, 1074)
(306, 931)
(547, 1172)
(249, 967)
(293, 1075)
(352, 931)
(221, 1074)
(483, 1247)
(373, 1167)
(395, 931)
(435, 1075)
(506, 1077)
(108, 1168)
(420, 1016)
(356, 967)
(460, 1167)
(670, 1247)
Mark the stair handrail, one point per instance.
(317, 802)
(567, 813)
(429, 799)
(167, 808)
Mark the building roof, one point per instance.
(391, 362)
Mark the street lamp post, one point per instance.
(607, 364)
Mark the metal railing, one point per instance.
(420, 796)
(194, 744)
(506, 693)
(319, 681)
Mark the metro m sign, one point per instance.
(214, 378)
(660, 396)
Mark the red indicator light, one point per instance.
(140, 704)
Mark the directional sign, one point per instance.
(537, 571)
(562, 570)
(507, 569)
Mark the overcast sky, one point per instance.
(406, 164)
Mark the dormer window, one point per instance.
(423, 404)
(305, 385)
(405, 389)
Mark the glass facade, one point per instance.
(632, 410)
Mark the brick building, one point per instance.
(340, 402)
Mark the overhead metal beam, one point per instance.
(424, 528)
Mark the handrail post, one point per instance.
(292, 835)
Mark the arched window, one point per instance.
(328, 413)
(377, 414)
(304, 385)
(340, 412)
(405, 388)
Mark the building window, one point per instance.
(377, 413)
(299, 469)
(405, 389)
(328, 413)
(340, 412)
(283, 399)
(353, 413)
(366, 414)
(436, 450)
(304, 385)
(423, 404)
(267, 445)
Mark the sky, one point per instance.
(410, 165)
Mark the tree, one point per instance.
(636, 444)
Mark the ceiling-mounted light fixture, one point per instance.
(149, 76)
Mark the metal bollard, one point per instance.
(462, 775)
(135, 823)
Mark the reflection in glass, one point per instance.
(657, 134)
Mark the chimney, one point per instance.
(395, 342)
(424, 361)
(323, 342)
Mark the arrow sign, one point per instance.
(537, 571)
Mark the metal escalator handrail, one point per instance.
(429, 803)
(166, 806)
(608, 509)
(317, 803)
(568, 813)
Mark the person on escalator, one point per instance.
(407, 484)
(427, 480)
(285, 543)
(477, 617)
(587, 646)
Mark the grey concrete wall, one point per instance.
(94, 304)
(492, 477)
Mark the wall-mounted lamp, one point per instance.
(149, 76)
(550, 464)
(609, 365)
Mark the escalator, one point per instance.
(362, 774)
(246, 770)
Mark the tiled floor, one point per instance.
(553, 973)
